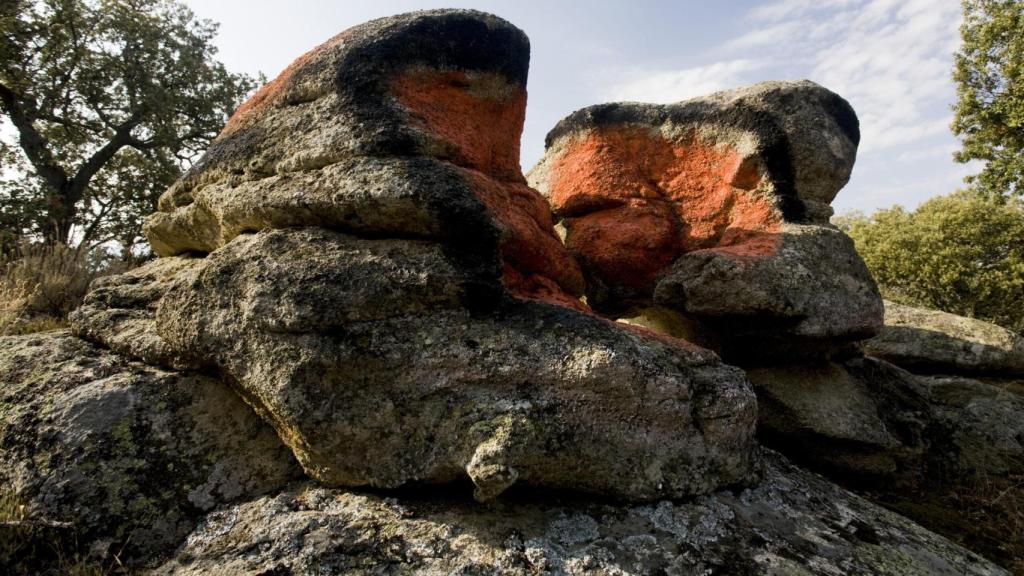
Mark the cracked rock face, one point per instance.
(792, 523)
(128, 454)
(706, 208)
(380, 283)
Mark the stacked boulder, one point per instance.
(708, 220)
(972, 374)
(711, 216)
(358, 290)
(359, 254)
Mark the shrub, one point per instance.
(962, 253)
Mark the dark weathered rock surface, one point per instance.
(931, 341)
(982, 428)
(717, 207)
(792, 523)
(863, 420)
(131, 456)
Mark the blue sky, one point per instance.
(892, 59)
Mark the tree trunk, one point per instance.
(61, 213)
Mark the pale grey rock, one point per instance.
(371, 370)
(814, 291)
(129, 455)
(862, 420)
(931, 341)
(793, 523)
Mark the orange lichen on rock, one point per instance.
(635, 201)
(477, 117)
(270, 93)
(537, 265)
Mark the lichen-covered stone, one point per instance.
(120, 311)
(406, 126)
(131, 456)
(862, 420)
(381, 284)
(814, 293)
(394, 382)
(981, 428)
(717, 207)
(792, 523)
(931, 341)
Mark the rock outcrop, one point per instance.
(383, 287)
(717, 209)
(792, 523)
(362, 314)
(929, 341)
(129, 456)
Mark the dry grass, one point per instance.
(985, 516)
(32, 546)
(40, 284)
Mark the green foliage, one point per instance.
(104, 102)
(962, 253)
(990, 94)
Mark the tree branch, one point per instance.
(122, 137)
(36, 147)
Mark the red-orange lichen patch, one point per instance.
(628, 245)
(270, 93)
(537, 265)
(477, 117)
(634, 202)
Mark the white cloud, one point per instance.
(675, 85)
(781, 9)
(892, 59)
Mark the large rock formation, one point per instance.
(384, 288)
(357, 282)
(716, 209)
(708, 220)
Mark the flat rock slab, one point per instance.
(930, 341)
(793, 523)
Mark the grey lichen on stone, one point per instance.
(938, 342)
(130, 455)
(793, 522)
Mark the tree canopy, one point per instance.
(989, 76)
(104, 102)
(962, 253)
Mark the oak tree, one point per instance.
(103, 103)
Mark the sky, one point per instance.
(892, 59)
